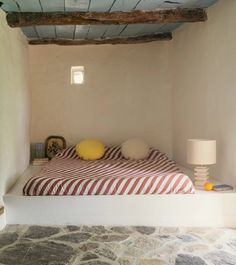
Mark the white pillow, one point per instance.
(135, 149)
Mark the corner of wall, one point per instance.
(14, 104)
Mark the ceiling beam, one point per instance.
(129, 40)
(174, 15)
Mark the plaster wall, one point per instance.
(203, 60)
(14, 105)
(126, 93)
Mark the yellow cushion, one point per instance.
(90, 149)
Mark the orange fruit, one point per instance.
(208, 186)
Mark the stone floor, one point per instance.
(98, 245)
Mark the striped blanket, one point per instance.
(66, 174)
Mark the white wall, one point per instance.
(14, 105)
(203, 63)
(126, 93)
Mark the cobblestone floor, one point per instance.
(98, 245)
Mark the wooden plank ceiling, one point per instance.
(97, 32)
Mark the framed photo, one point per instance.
(53, 145)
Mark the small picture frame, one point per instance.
(53, 145)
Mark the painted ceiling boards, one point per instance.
(77, 32)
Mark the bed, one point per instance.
(67, 175)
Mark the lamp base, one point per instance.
(201, 174)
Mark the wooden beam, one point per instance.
(130, 40)
(173, 15)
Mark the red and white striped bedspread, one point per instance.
(66, 174)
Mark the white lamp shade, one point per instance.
(201, 152)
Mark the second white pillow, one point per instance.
(135, 149)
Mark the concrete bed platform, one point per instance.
(209, 209)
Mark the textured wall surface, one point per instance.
(203, 63)
(14, 105)
(126, 93)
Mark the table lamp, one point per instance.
(201, 153)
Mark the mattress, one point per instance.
(67, 175)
